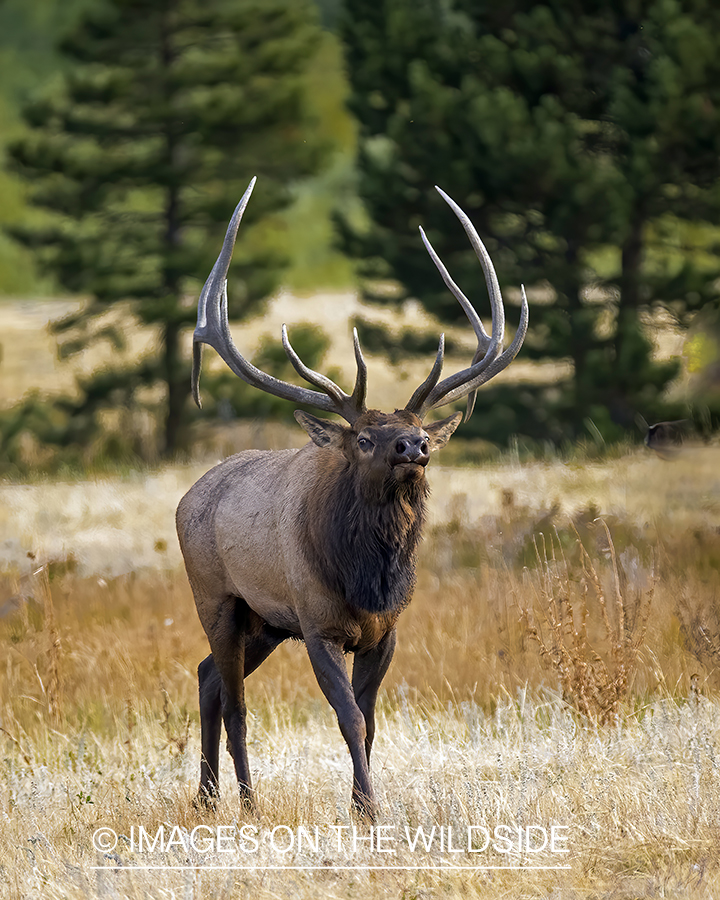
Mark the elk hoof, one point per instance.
(248, 802)
(364, 808)
(206, 800)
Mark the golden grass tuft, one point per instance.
(564, 602)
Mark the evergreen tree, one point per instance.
(577, 137)
(168, 108)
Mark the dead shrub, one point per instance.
(571, 604)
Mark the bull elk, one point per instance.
(318, 543)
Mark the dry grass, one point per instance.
(698, 610)
(99, 719)
(639, 802)
(559, 618)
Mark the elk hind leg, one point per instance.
(227, 643)
(369, 669)
(210, 690)
(260, 641)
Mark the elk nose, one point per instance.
(411, 449)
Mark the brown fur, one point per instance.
(361, 539)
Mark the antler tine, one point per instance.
(207, 331)
(317, 378)
(213, 329)
(485, 343)
(495, 366)
(349, 406)
(360, 390)
(418, 399)
(488, 359)
(469, 310)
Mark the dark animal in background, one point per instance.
(319, 543)
(666, 438)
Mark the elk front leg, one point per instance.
(369, 670)
(328, 663)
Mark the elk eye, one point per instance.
(364, 444)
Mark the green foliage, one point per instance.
(330, 12)
(109, 423)
(570, 134)
(306, 231)
(142, 150)
(28, 56)
(28, 36)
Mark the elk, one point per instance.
(317, 544)
(666, 438)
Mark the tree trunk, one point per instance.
(580, 339)
(630, 299)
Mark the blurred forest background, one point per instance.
(582, 140)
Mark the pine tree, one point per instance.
(167, 110)
(576, 137)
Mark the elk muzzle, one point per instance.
(409, 456)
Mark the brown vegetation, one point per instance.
(82, 643)
(567, 605)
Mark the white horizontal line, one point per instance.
(335, 868)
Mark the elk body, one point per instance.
(319, 543)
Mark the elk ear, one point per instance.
(321, 431)
(441, 432)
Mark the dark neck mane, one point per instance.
(365, 549)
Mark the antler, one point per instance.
(213, 329)
(489, 358)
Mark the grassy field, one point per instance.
(558, 667)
